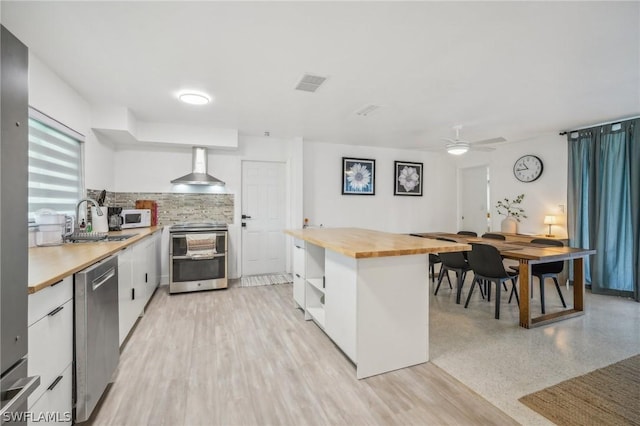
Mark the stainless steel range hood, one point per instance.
(199, 175)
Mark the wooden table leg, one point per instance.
(525, 279)
(578, 284)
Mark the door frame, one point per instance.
(487, 167)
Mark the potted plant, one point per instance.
(513, 212)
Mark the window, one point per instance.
(55, 165)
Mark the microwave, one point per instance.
(135, 218)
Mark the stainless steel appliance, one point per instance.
(115, 220)
(199, 174)
(135, 218)
(15, 386)
(197, 257)
(97, 349)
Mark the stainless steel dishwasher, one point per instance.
(96, 333)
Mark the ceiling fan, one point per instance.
(459, 146)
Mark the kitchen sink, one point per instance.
(99, 239)
(119, 237)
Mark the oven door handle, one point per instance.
(198, 257)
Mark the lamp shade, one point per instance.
(549, 220)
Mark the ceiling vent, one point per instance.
(310, 82)
(367, 110)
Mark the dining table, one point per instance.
(528, 254)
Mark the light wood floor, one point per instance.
(245, 356)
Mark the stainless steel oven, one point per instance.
(197, 257)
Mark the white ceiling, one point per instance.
(511, 69)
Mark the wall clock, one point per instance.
(528, 168)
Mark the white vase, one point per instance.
(509, 225)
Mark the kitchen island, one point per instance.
(368, 290)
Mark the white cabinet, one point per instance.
(298, 272)
(340, 307)
(127, 307)
(308, 280)
(141, 273)
(145, 268)
(151, 274)
(54, 406)
(137, 280)
(51, 352)
(314, 284)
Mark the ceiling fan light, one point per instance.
(457, 148)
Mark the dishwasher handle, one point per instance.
(103, 278)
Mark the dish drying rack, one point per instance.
(86, 236)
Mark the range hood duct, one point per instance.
(199, 175)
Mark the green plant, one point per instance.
(511, 208)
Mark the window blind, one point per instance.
(55, 165)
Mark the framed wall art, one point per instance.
(358, 176)
(408, 178)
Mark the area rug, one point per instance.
(607, 396)
(269, 279)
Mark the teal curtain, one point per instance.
(633, 152)
(604, 205)
(581, 194)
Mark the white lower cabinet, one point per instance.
(51, 353)
(341, 307)
(149, 272)
(298, 272)
(138, 278)
(54, 406)
(127, 306)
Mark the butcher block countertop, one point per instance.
(48, 265)
(366, 243)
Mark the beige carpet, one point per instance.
(607, 396)
(269, 279)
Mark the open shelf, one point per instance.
(317, 283)
(317, 314)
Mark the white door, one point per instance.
(474, 199)
(263, 209)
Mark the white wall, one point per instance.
(150, 169)
(324, 203)
(543, 196)
(52, 96)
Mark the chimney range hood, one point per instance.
(199, 175)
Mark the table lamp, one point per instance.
(549, 220)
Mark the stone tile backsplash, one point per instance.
(176, 207)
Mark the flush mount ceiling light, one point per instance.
(457, 148)
(194, 98)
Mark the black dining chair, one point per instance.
(546, 270)
(487, 266)
(434, 259)
(494, 236)
(499, 237)
(469, 233)
(453, 261)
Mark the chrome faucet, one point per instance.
(88, 200)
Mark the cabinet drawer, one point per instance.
(298, 261)
(44, 301)
(54, 406)
(298, 243)
(50, 347)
